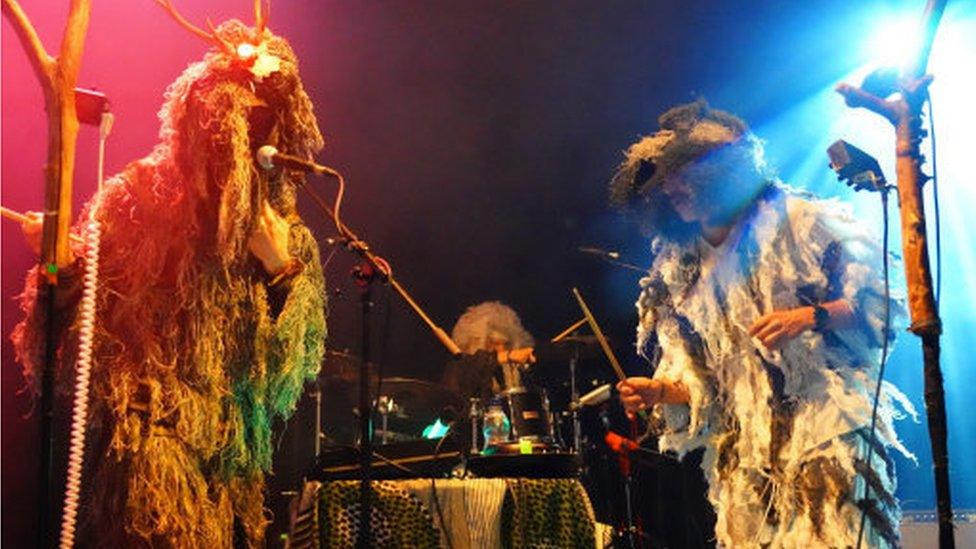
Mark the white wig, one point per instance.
(473, 328)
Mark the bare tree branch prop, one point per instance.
(58, 78)
(40, 60)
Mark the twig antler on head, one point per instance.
(210, 37)
(261, 17)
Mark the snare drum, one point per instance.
(529, 413)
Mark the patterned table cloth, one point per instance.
(471, 513)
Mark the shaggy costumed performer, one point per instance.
(763, 317)
(210, 311)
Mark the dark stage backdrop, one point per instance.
(477, 139)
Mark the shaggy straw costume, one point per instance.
(785, 432)
(195, 355)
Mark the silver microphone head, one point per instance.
(265, 157)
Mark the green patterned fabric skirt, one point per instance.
(510, 513)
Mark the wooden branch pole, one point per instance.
(904, 111)
(58, 78)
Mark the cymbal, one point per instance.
(343, 365)
(578, 346)
(417, 398)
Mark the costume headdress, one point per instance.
(688, 132)
(245, 93)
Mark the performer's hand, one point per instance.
(269, 241)
(640, 393)
(524, 355)
(32, 228)
(779, 327)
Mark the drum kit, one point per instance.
(539, 429)
(515, 421)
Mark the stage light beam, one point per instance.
(894, 43)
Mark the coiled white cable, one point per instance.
(86, 338)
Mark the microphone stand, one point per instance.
(364, 275)
(371, 269)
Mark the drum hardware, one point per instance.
(474, 414)
(570, 340)
(597, 396)
(385, 406)
(576, 343)
(528, 409)
(417, 398)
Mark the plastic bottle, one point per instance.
(496, 427)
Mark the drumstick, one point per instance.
(568, 331)
(600, 337)
(604, 344)
(21, 218)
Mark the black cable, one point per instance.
(935, 203)
(884, 360)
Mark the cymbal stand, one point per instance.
(384, 406)
(574, 397)
(574, 403)
(474, 414)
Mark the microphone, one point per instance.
(269, 158)
(599, 252)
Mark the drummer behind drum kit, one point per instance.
(514, 433)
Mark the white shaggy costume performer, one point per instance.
(785, 433)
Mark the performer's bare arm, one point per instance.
(779, 327)
(523, 355)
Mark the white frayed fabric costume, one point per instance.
(785, 433)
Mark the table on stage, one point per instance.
(470, 513)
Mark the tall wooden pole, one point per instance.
(58, 78)
(904, 111)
